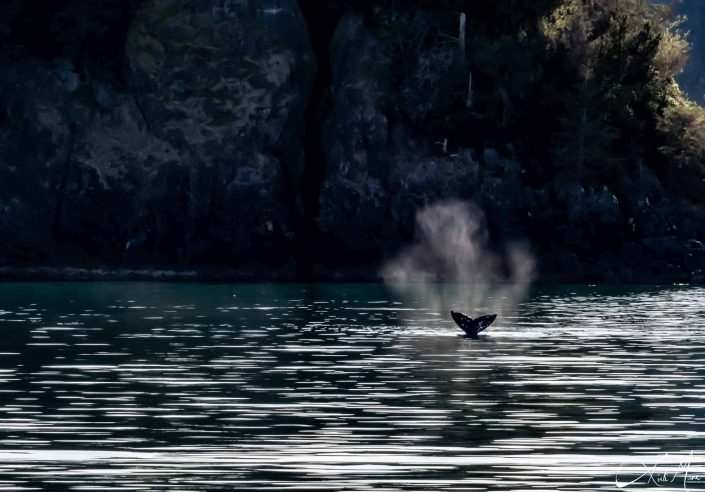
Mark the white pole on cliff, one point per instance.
(461, 45)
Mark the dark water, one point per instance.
(131, 386)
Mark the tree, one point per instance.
(623, 56)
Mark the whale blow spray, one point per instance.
(453, 265)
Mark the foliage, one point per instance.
(583, 88)
(683, 129)
(584, 142)
(623, 56)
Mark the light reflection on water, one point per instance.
(342, 387)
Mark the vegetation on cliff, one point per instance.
(581, 89)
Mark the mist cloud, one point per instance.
(453, 266)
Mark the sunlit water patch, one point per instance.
(133, 386)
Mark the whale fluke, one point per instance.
(472, 326)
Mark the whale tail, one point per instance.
(470, 326)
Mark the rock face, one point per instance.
(194, 158)
(377, 173)
(193, 161)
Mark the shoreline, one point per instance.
(75, 274)
(253, 275)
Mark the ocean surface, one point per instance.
(153, 386)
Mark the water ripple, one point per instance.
(343, 387)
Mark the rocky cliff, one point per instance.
(218, 139)
(193, 161)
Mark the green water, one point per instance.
(149, 386)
